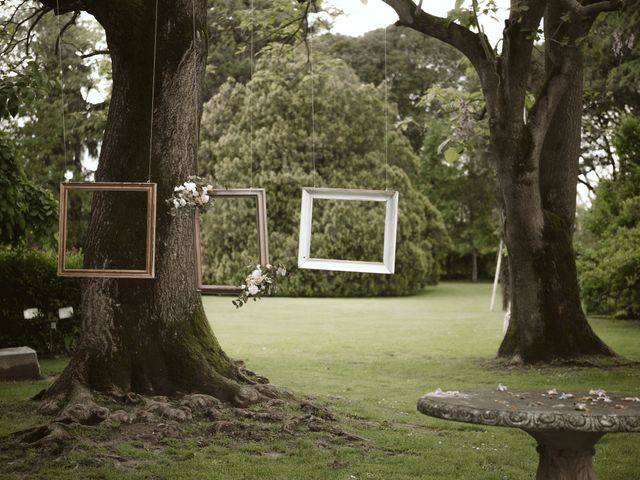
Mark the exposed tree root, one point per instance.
(131, 416)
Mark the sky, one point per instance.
(360, 17)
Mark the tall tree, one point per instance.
(148, 336)
(536, 160)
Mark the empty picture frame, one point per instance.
(149, 261)
(260, 197)
(387, 266)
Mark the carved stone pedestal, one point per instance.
(566, 455)
(566, 425)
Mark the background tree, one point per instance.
(536, 160)
(38, 135)
(415, 63)
(457, 172)
(349, 153)
(27, 210)
(439, 102)
(612, 73)
(609, 261)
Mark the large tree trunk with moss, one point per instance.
(138, 335)
(537, 165)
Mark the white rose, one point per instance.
(256, 277)
(205, 198)
(183, 202)
(176, 203)
(190, 186)
(177, 189)
(281, 271)
(253, 289)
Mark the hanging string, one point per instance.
(251, 53)
(386, 116)
(195, 81)
(313, 111)
(153, 87)
(64, 126)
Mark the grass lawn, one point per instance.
(368, 360)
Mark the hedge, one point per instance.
(29, 280)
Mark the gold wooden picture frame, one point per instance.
(260, 197)
(149, 188)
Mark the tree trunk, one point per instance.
(149, 336)
(547, 321)
(474, 265)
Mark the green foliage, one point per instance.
(34, 77)
(610, 274)
(457, 173)
(234, 24)
(439, 100)
(609, 257)
(349, 153)
(22, 88)
(29, 280)
(28, 212)
(415, 63)
(611, 78)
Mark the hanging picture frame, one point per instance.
(390, 198)
(260, 197)
(150, 191)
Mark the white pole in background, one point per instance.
(496, 277)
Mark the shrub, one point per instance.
(610, 275)
(349, 139)
(609, 260)
(29, 280)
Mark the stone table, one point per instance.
(566, 425)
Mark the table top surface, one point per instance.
(537, 410)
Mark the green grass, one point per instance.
(369, 360)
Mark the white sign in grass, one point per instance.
(390, 198)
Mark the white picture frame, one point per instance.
(390, 198)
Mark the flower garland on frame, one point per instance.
(194, 194)
(262, 281)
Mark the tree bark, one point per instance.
(547, 320)
(149, 336)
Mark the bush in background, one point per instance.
(29, 280)
(609, 254)
(349, 153)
